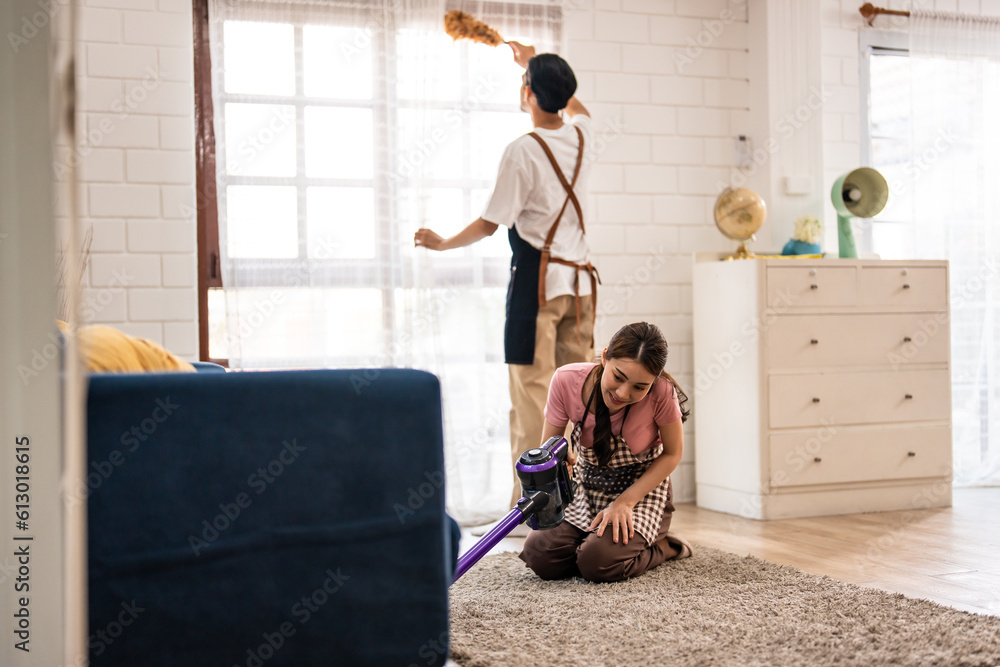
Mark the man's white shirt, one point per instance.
(528, 193)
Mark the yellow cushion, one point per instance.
(105, 349)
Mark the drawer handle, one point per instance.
(817, 459)
(906, 285)
(908, 396)
(812, 272)
(815, 399)
(814, 286)
(911, 453)
(814, 342)
(907, 339)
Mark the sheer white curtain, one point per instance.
(954, 169)
(342, 128)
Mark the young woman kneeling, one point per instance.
(626, 441)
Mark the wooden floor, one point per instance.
(950, 556)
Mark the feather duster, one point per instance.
(460, 25)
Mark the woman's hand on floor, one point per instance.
(618, 515)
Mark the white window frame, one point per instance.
(872, 42)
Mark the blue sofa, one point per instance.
(279, 518)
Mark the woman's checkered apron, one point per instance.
(599, 486)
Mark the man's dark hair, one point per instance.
(551, 80)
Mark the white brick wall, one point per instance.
(674, 75)
(136, 105)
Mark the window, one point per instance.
(917, 158)
(931, 131)
(888, 144)
(332, 148)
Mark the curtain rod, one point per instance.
(870, 11)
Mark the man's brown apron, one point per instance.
(528, 266)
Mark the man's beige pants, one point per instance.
(556, 344)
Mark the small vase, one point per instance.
(796, 247)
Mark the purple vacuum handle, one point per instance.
(525, 507)
(487, 542)
(560, 449)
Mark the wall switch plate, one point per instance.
(744, 151)
(798, 185)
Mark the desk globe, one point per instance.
(739, 214)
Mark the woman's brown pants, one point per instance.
(566, 551)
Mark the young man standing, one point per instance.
(540, 194)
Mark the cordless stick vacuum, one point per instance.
(547, 490)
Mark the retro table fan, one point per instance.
(739, 214)
(861, 193)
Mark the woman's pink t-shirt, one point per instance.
(658, 408)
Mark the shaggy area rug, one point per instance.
(711, 609)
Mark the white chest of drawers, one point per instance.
(821, 386)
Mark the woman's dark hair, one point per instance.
(645, 343)
(551, 80)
